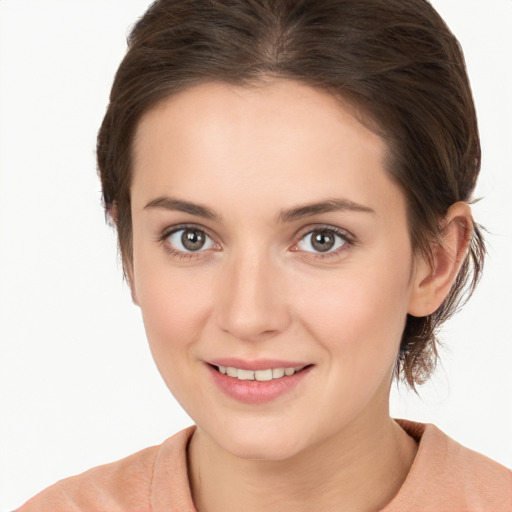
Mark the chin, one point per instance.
(266, 451)
(271, 443)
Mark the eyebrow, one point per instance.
(169, 203)
(330, 205)
(290, 215)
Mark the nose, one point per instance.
(251, 298)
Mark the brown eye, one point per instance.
(322, 241)
(193, 239)
(190, 240)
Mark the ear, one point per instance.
(128, 272)
(434, 277)
(113, 216)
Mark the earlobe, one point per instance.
(113, 219)
(134, 296)
(111, 215)
(434, 277)
(128, 272)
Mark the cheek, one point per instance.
(173, 305)
(359, 316)
(174, 312)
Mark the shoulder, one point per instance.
(118, 486)
(447, 476)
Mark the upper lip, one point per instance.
(256, 364)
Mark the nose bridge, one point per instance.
(251, 301)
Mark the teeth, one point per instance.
(245, 374)
(259, 375)
(231, 372)
(263, 375)
(277, 373)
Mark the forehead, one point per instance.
(283, 138)
(254, 108)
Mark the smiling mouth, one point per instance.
(259, 375)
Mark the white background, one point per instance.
(78, 386)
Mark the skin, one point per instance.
(259, 289)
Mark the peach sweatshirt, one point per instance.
(445, 477)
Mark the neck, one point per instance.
(359, 470)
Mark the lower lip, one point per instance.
(254, 391)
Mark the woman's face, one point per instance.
(267, 236)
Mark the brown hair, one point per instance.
(395, 60)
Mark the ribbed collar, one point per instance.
(445, 476)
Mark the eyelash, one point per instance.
(181, 255)
(347, 238)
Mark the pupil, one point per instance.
(192, 240)
(323, 241)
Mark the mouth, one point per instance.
(258, 382)
(265, 375)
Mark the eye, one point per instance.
(323, 240)
(189, 240)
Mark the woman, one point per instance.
(290, 184)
